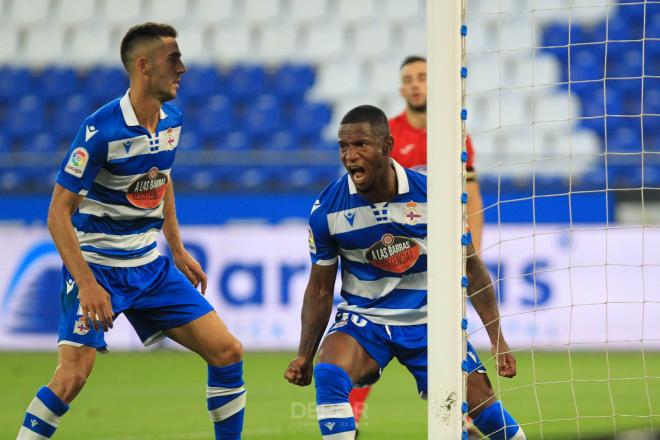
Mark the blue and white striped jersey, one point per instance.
(382, 248)
(122, 171)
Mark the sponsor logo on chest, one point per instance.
(394, 253)
(148, 191)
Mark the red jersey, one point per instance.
(410, 145)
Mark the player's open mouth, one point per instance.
(357, 174)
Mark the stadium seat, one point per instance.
(397, 11)
(623, 134)
(125, 16)
(483, 32)
(624, 59)
(264, 117)
(89, 46)
(231, 44)
(166, 11)
(323, 42)
(276, 43)
(74, 12)
(337, 81)
(482, 77)
(192, 42)
(43, 45)
(15, 82)
(550, 106)
(244, 82)
(304, 12)
(310, 118)
(199, 82)
(216, 118)
(102, 84)
(69, 115)
(189, 140)
(372, 41)
(516, 31)
(213, 12)
(283, 140)
(413, 40)
(587, 62)
(516, 106)
(355, 11)
(44, 142)
(26, 118)
(25, 13)
(236, 140)
(291, 81)
(5, 143)
(9, 47)
(55, 83)
(652, 95)
(259, 12)
(13, 179)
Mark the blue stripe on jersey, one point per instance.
(108, 196)
(364, 238)
(120, 252)
(367, 272)
(396, 299)
(141, 164)
(105, 225)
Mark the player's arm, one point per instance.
(317, 306)
(482, 295)
(94, 300)
(182, 259)
(475, 211)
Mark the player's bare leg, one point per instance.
(209, 337)
(487, 413)
(342, 362)
(74, 365)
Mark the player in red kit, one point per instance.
(409, 132)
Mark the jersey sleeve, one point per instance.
(469, 166)
(86, 156)
(322, 247)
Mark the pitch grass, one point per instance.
(160, 395)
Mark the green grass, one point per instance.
(160, 395)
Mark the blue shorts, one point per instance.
(154, 297)
(408, 343)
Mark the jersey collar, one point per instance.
(401, 179)
(128, 112)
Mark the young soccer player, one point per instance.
(374, 219)
(113, 195)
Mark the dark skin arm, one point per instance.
(482, 296)
(317, 306)
(94, 300)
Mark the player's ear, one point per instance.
(142, 65)
(388, 144)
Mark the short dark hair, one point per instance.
(371, 114)
(411, 59)
(140, 34)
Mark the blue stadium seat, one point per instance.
(13, 179)
(204, 178)
(57, 82)
(291, 81)
(103, 84)
(587, 62)
(189, 140)
(236, 140)
(14, 83)
(264, 116)
(624, 134)
(67, 118)
(253, 177)
(624, 59)
(26, 118)
(199, 81)
(283, 140)
(633, 13)
(44, 142)
(6, 142)
(652, 95)
(244, 82)
(619, 29)
(311, 118)
(42, 178)
(216, 118)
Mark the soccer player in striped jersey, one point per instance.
(113, 195)
(374, 220)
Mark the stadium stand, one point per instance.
(267, 77)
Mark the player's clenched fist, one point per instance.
(299, 372)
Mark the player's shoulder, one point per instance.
(102, 124)
(172, 111)
(332, 197)
(416, 181)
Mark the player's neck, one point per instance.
(386, 192)
(416, 119)
(146, 108)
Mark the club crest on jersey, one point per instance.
(77, 162)
(148, 191)
(394, 253)
(410, 213)
(80, 328)
(170, 138)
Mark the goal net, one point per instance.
(563, 100)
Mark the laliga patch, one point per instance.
(394, 253)
(77, 162)
(311, 242)
(148, 191)
(79, 328)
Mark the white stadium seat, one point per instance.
(516, 107)
(276, 44)
(231, 44)
(372, 41)
(354, 11)
(125, 14)
(549, 106)
(516, 32)
(90, 45)
(44, 45)
(413, 40)
(323, 42)
(212, 12)
(302, 12)
(193, 45)
(399, 11)
(261, 11)
(9, 46)
(383, 76)
(483, 74)
(166, 11)
(483, 33)
(337, 81)
(28, 12)
(75, 12)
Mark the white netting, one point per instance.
(563, 99)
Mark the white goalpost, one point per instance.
(446, 349)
